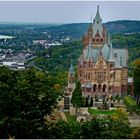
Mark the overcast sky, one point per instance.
(67, 12)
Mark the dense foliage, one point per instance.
(26, 98)
(105, 128)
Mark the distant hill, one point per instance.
(77, 30)
(123, 26)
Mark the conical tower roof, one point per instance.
(71, 70)
(97, 17)
(97, 24)
(89, 52)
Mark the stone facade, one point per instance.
(102, 69)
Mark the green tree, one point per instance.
(137, 77)
(105, 128)
(77, 99)
(64, 130)
(91, 102)
(25, 99)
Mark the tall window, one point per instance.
(104, 88)
(87, 75)
(94, 88)
(114, 75)
(99, 88)
(121, 61)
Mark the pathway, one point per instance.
(63, 116)
(134, 120)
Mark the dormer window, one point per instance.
(120, 60)
(115, 55)
(111, 65)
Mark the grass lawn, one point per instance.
(103, 112)
(70, 118)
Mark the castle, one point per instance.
(102, 69)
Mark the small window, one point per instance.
(111, 65)
(120, 60)
(115, 55)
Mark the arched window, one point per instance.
(109, 88)
(104, 88)
(99, 88)
(94, 88)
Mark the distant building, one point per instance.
(13, 65)
(102, 69)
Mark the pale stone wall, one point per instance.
(72, 111)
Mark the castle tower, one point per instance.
(98, 32)
(102, 69)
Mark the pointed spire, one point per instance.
(97, 24)
(91, 18)
(97, 17)
(71, 70)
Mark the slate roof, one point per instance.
(119, 56)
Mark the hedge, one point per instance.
(130, 104)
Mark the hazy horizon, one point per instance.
(63, 12)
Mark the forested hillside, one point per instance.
(77, 30)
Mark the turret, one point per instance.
(71, 74)
(110, 57)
